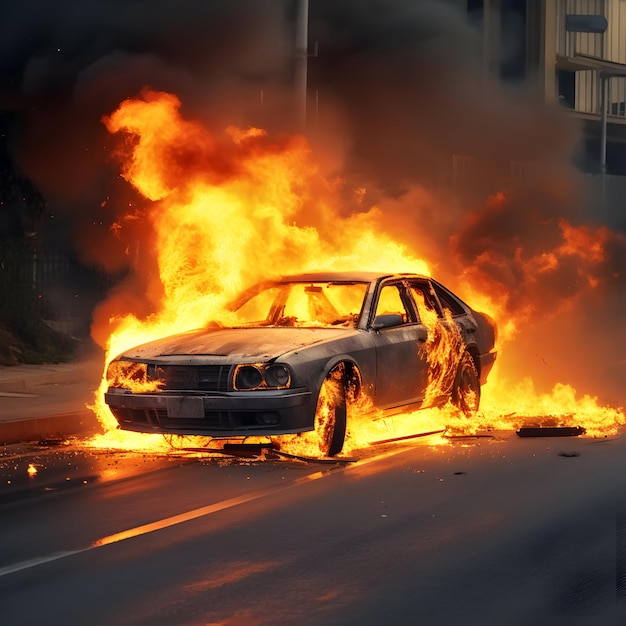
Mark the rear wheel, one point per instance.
(331, 414)
(466, 390)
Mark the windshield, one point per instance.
(310, 305)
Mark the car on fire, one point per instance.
(290, 356)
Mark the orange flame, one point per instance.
(224, 211)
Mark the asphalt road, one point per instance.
(498, 530)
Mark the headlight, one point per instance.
(131, 375)
(261, 376)
(248, 377)
(277, 376)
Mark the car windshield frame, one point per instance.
(316, 303)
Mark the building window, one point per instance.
(567, 88)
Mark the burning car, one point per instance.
(290, 355)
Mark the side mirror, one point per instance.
(387, 321)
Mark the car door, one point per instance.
(444, 343)
(399, 339)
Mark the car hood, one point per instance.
(231, 345)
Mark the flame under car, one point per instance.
(290, 355)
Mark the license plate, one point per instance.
(185, 407)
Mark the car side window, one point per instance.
(448, 303)
(425, 300)
(390, 303)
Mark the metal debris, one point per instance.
(551, 431)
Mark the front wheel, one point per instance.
(466, 390)
(331, 415)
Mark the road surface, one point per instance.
(489, 530)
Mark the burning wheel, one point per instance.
(466, 390)
(330, 414)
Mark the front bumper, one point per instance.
(232, 414)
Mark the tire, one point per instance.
(466, 389)
(331, 415)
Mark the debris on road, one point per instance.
(551, 431)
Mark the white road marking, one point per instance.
(159, 525)
(18, 567)
(182, 517)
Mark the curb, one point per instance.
(52, 427)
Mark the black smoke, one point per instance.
(398, 95)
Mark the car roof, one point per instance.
(358, 276)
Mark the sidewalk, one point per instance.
(48, 401)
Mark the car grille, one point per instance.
(191, 378)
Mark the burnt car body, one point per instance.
(292, 352)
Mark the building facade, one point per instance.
(574, 51)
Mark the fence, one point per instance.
(51, 286)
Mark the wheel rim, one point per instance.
(330, 417)
(325, 418)
(468, 387)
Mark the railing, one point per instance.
(53, 286)
(607, 47)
